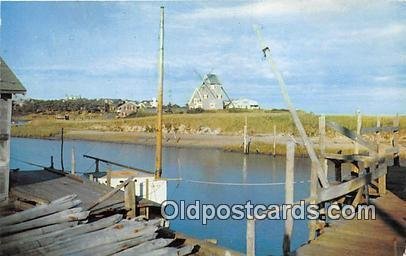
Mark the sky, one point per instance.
(336, 56)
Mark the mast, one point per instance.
(158, 150)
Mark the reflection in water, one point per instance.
(194, 164)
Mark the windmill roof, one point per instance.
(9, 83)
(213, 79)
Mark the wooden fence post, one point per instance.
(129, 199)
(322, 142)
(274, 140)
(313, 196)
(395, 141)
(250, 237)
(290, 163)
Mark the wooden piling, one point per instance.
(62, 167)
(108, 178)
(245, 145)
(73, 167)
(313, 197)
(337, 169)
(130, 199)
(359, 126)
(395, 141)
(274, 140)
(250, 236)
(322, 143)
(289, 172)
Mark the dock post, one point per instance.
(395, 141)
(313, 197)
(322, 142)
(274, 140)
(356, 145)
(147, 197)
(62, 167)
(337, 168)
(246, 150)
(73, 167)
(52, 162)
(250, 236)
(290, 163)
(129, 199)
(108, 179)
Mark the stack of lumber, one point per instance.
(62, 227)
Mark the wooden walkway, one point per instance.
(384, 236)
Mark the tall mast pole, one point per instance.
(158, 152)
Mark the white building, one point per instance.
(146, 186)
(244, 104)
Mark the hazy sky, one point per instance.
(336, 56)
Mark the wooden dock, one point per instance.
(384, 236)
(43, 186)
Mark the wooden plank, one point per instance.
(59, 217)
(352, 135)
(349, 186)
(37, 212)
(379, 129)
(111, 193)
(146, 247)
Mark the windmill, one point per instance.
(206, 85)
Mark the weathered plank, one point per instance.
(59, 217)
(353, 136)
(38, 211)
(146, 247)
(349, 186)
(379, 129)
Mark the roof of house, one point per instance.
(9, 83)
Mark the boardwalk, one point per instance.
(384, 236)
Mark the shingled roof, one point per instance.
(9, 83)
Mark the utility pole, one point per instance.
(158, 152)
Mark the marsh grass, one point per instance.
(259, 122)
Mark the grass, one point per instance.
(259, 122)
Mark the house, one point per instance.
(149, 103)
(9, 86)
(244, 104)
(127, 108)
(210, 95)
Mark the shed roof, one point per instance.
(9, 83)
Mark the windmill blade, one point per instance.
(231, 102)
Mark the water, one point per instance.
(194, 164)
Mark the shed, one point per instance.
(9, 85)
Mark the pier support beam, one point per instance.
(250, 236)
(5, 123)
(290, 163)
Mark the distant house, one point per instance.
(127, 108)
(149, 103)
(210, 95)
(244, 104)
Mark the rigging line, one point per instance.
(29, 163)
(242, 184)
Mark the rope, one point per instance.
(242, 184)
